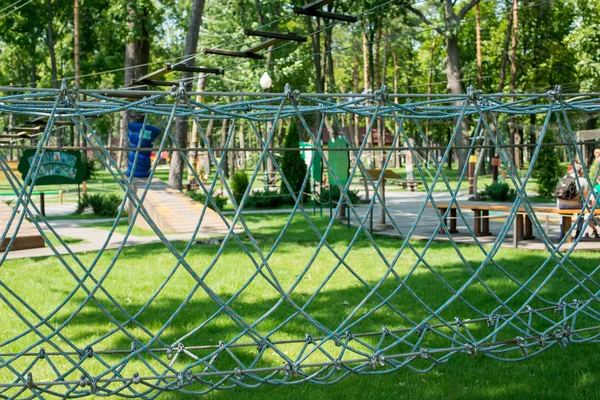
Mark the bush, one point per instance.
(104, 205)
(239, 184)
(498, 192)
(547, 169)
(335, 194)
(268, 199)
(293, 166)
(200, 197)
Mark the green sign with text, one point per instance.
(57, 168)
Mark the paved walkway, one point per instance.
(93, 239)
(404, 208)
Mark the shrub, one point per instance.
(239, 184)
(104, 205)
(200, 197)
(268, 199)
(293, 166)
(547, 169)
(335, 194)
(498, 192)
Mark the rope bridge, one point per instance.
(254, 311)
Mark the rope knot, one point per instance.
(349, 335)
(337, 340)
(29, 381)
(263, 344)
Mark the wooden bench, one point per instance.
(523, 224)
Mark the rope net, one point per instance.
(302, 298)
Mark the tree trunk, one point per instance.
(429, 80)
(396, 100)
(369, 153)
(137, 55)
(191, 44)
(53, 70)
(453, 75)
(478, 44)
(515, 135)
(380, 121)
(195, 134)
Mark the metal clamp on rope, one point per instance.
(293, 95)
(522, 345)
(554, 95)
(309, 339)
(169, 352)
(424, 354)
(177, 91)
(180, 380)
(349, 335)
(238, 373)
(384, 330)
(42, 354)
(263, 344)
(29, 381)
(92, 383)
(491, 320)
(83, 381)
(473, 95)
(136, 378)
(559, 307)
(459, 322)
(337, 340)
(542, 340)
(577, 303)
(471, 349)
(189, 376)
(381, 95)
(424, 327)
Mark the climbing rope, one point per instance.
(215, 343)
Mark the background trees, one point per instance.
(413, 47)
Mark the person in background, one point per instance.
(576, 202)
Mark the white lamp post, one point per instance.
(265, 84)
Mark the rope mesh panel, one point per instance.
(261, 308)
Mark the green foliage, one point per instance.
(200, 197)
(239, 184)
(547, 169)
(293, 166)
(92, 168)
(335, 195)
(104, 205)
(268, 199)
(498, 192)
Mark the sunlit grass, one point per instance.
(44, 284)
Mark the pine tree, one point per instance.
(293, 166)
(547, 168)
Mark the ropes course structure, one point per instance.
(275, 325)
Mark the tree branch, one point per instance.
(423, 18)
(466, 9)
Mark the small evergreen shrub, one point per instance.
(293, 166)
(103, 205)
(498, 192)
(547, 170)
(268, 199)
(239, 184)
(200, 197)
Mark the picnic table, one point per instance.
(523, 225)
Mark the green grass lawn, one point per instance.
(558, 373)
(121, 228)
